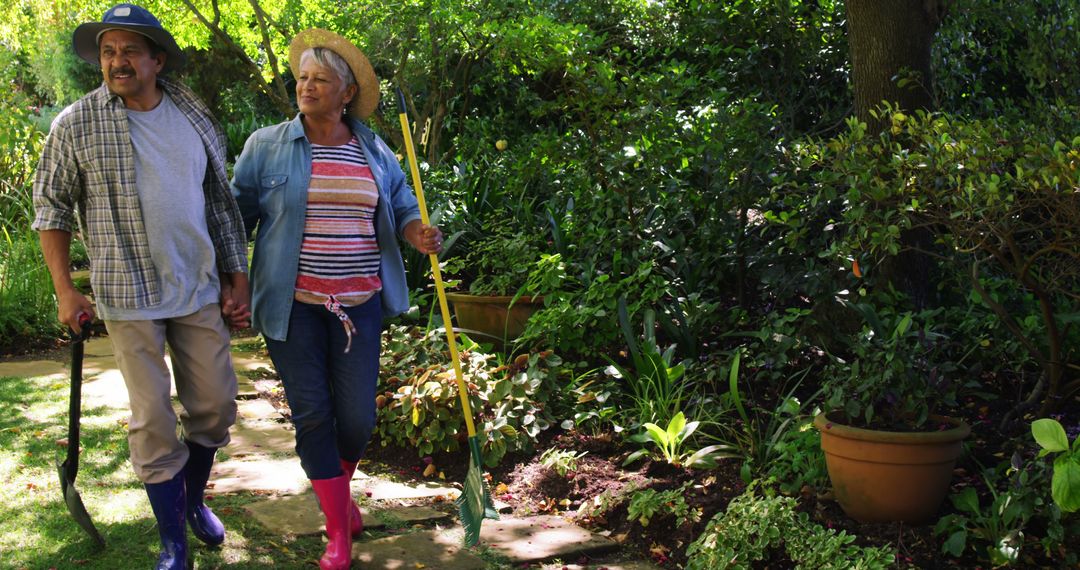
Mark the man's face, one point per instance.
(127, 65)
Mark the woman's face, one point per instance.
(319, 91)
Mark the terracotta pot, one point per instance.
(491, 318)
(880, 476)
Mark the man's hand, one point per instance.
(56, 248)
(72, 304)
(236, 300)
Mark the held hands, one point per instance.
(426, 239)
(236, 300)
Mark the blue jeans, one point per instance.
(331, 393)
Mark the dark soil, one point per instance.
(21, 348)
(596, 495)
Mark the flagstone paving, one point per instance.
(261, 458)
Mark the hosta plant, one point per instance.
(670, 445)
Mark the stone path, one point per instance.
(261, 459)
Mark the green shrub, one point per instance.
(754, 526)
(418, 400)
(997, 195)
(649, 504)
(1020, 513)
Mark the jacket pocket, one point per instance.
(272, 182)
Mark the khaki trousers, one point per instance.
(205, 385)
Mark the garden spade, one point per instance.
(69, 468)
(474, 504)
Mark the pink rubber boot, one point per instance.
(335, 500)
(356, 520)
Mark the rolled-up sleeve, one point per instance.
(56, 182)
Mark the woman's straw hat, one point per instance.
(364, 104)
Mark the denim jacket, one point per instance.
(270, 182)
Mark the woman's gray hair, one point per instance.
(329, 59)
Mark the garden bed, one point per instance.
(530, 487)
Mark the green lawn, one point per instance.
(36, 530)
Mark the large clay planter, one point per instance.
(880, 476)
(493, 317)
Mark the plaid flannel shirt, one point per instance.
(88, 164)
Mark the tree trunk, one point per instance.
(890, 44)
(890, 54)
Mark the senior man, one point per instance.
(139, 164)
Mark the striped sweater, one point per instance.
(339, 256)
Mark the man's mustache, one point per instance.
(122, 70)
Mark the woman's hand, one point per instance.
(425, 238)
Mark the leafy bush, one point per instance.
(646, 505)
(998, 196)
(1052, 439)
(754, 526)
(895, 376)
(1020, 504)
(781, 442)
(27, 304)
(498, 263)
(419, 404)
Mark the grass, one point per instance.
(37, 532)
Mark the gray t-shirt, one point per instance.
(170, 164)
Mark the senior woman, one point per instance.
(329, 200)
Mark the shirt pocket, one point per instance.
(273, 182)
(272, 194)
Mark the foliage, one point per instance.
(895, 376)
(561, 461)
(1018, 496)
(581, 321)
(669, 443)
(780, 443)
(500, 263)
(647, 504)
(796, 461)
(27, 306)
(419, 403)
(998, 196)
(654, 385)
(1065, 485)
(754, 525)
(593, 407)
(991, 55)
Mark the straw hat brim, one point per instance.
(364, 104)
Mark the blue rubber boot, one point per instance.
(167, 501)
(203, 522)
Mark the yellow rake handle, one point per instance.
(443, 306)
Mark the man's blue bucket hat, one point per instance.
(132, 18)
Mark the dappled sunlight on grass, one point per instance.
(36, 530)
